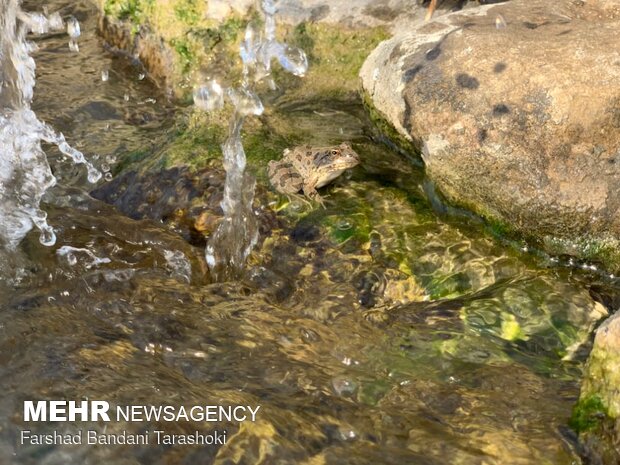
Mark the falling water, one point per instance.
(25, 174)
(236, 236)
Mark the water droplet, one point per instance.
(73, 27)
(94, 175)
(209, 97)
(105, 75)
(500, 22)
(292, 59)
(309, 336)
(141, 76)
(246, 102)
(108, 176)
(47, 237)
(126, 97)
(247, 50)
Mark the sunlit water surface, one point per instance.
(374, 331)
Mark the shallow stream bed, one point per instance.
(380, 330)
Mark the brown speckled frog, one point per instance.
(307, 168)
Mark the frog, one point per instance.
(307, 169)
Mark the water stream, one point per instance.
(26, 174)
(232, 242)
(376, 330)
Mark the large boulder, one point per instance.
(515, 109)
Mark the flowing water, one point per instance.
(236, 236)
(26, 174)
(379, 330)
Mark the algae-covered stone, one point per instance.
(181, 43)
(597, 415)
(184, 42)
(517, 123)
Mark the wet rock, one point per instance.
(517, 123)
(597, 414)
(187, 202)
(178, 49)
(142, 44)
(355, 13)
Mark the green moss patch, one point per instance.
(588, 414)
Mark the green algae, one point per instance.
(127, 10)
(588, 414)
(335, 57)
(188, 11)
(411, 148)
(130, 159)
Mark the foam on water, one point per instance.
(25, 174)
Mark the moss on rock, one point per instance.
(180, 46)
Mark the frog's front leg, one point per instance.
(311, 192)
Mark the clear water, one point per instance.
(26, 174)
(237, 234)
(374, 331)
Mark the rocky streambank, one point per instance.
(515, 111)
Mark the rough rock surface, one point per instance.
(597, 415)
(516, 110)
(172, 38)
(394, 14)
(352, 13)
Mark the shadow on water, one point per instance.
(372, 331)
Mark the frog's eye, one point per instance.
(334, 152)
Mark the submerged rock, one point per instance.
(187, 201)
(515, 110)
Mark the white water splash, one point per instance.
(25, 174)
(69, 254)
(233, 241)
